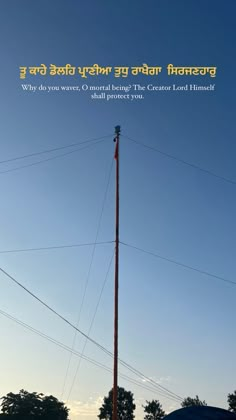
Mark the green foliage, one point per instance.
(153, 410)
(189, 402)
(125, 405)
(232, 402)
(26, 406)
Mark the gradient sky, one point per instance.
(176, 325)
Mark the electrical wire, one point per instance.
(48, 248)
(76, 353)
(109, 353)
(53, 149)
(51, 158)
(189, 267)
(192, 165)
(54, 311)
(91, 325)
(87, 280)
(144, 377)
(127, 245)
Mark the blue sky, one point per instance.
(176, 325)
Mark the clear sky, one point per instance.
(176, 326)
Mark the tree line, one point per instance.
(36, 406)
(152, 409)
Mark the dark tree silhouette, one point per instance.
(153, 410)
(189, 402)
(125, 405)
(26, 405)
(232, 402)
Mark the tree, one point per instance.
(189, 402)
(26, 405)
(153, 410)
(232, 402)
(125, 405)
(54, 409)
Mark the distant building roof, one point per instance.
(201, 413)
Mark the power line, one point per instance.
(47, 337)
(192, 165)
(141, 375)
(54, 311)
(76, 353)
(87, 281)
(189, 267)
(48, 248)
(91, 325)
(51, 158)
(129, 367)
(53, 149)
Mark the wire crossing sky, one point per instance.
(84, 334)
(82, 356)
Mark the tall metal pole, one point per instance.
(115, 371)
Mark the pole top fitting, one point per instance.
(117, 130)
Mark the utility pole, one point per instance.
(115, 371)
